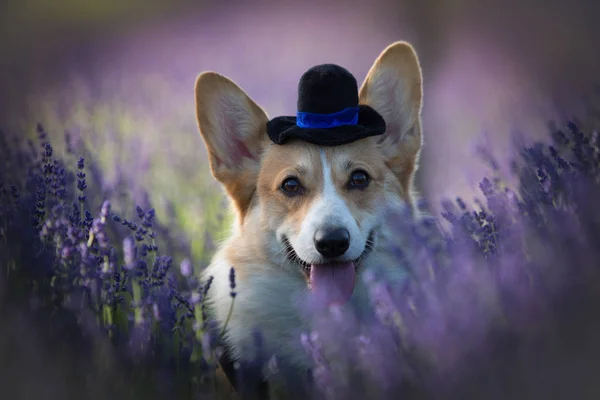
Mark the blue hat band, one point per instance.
(348, 116)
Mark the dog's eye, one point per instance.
(359, 179)
(291, 186)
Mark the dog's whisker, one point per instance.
(372, 247)
(280, 251)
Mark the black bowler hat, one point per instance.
(328, 111)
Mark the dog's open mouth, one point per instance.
(333, 280)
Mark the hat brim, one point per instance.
(370, 123)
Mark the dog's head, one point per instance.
(321, 207)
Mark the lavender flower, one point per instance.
(81, 183)
(48, 150)
(105, 210)
(232, 282)
(207, 285)
(321, 371)
(522, 264)
(186, 268)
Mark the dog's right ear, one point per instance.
(233, 128)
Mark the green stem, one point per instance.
(154, 252)
(106, 265)
(137, 298)
(91, 239)
(199, 319)
(228, 317)
(108, 319)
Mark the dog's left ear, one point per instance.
(394, 88)
(233, 128)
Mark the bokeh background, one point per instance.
(118, 78)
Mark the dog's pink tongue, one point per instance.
(333, 283)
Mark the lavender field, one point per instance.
(499, 306)
(108, 211)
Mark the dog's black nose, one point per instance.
(332, 242)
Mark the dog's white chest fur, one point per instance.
(266, 300)
(273, 302)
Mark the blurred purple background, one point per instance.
(489, 66)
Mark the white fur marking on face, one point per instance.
(329, 210)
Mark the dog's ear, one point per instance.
(233, 128)
(393, 87)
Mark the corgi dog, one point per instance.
(310, 212)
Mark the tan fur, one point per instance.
(404, 120)
(228, 121)
(280, 161)
(294, 159)
(251, 168)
